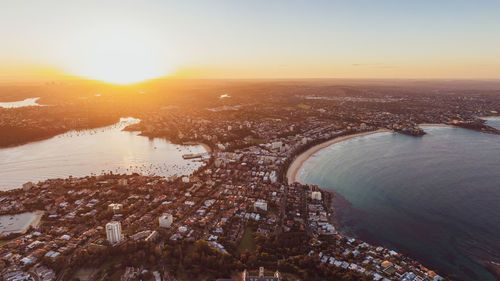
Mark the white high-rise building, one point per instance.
(316, 195)
(166, 220)
(114, 232)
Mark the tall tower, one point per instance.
(114, 232)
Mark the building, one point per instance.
(276, 145)
(27, 186)
(316, 195)
(218, 162)
(115, 207)
(165, 220)
(140, 235)
(246, 277)
(122, 182)
(260, 204)
(114, 232)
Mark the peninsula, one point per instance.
(242, 208)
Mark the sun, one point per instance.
(119, 57)
(121, 68)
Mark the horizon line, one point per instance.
(69, 78)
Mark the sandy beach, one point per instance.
(297, 163)
(436, 125)
(205, 146)
(38, 218)
(35, 222)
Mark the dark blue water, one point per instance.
(435, 198)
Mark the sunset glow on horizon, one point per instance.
(118, 56)
(125, 42)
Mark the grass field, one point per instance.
(85, 273)
(248, 241)
(257, 141)
(304, 106)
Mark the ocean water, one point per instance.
(493, 122)
(82, 153)
(435, 198)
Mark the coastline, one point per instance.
(484, 261)
(205, 146)
(53, 134)
(298, 162)
(38, 218)
(437, 125)
(33, 222)
(17, 175)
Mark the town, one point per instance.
(238, 212)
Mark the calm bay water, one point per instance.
(436, 197)
(16, 223)
(94, 151)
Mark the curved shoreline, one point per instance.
(164, 167)
(205, 146)
(298, 162)
(436, 125)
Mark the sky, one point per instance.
(129, 41)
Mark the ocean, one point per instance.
(435, 198)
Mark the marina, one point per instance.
(97, 151)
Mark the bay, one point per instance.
(82, 153)
(435, 198)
